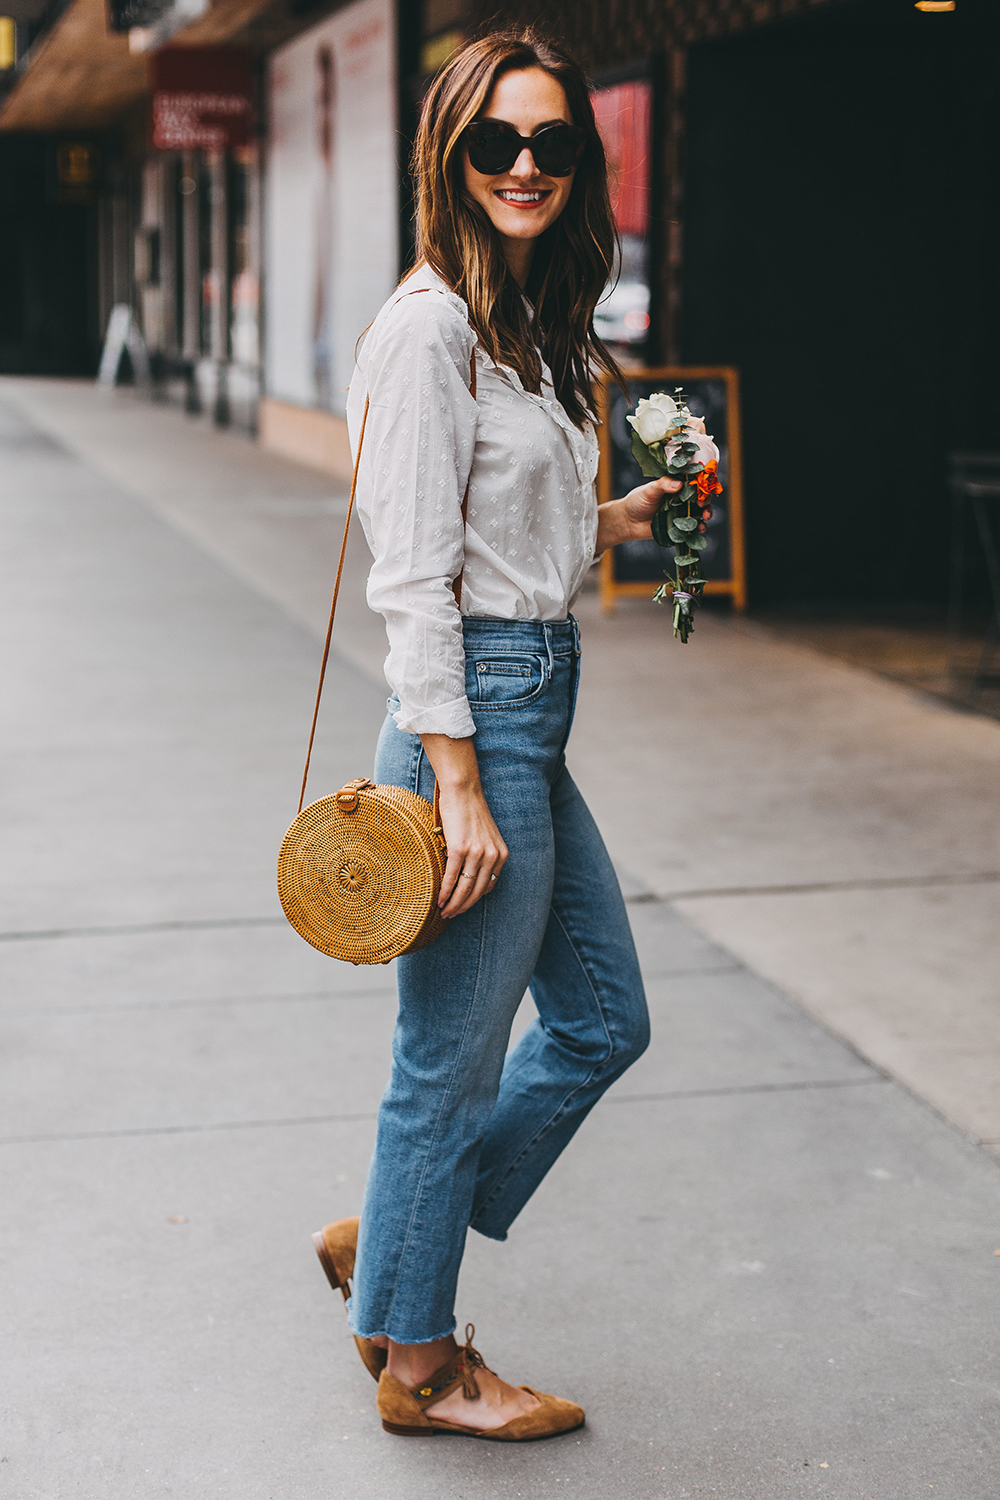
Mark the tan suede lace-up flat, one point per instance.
(337, 1245)
(402, 1407)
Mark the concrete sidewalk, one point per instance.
(765, 1268)
(838, 832)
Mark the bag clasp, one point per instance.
(347, 797)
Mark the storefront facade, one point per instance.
(802, 188)
(331, 212)
(245, 210)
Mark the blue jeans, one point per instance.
(466, 1130)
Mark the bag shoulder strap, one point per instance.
(456, 582)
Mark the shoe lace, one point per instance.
(471, 1360)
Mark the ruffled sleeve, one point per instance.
(418, 450)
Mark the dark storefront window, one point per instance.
(48, 279)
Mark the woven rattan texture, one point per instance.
(363, 885)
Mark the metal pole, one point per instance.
(254, 212)
(190, 276)
(168, 256)
(219, 239)
(955, 589)
(121, 254)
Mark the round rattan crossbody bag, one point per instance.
(359, 872)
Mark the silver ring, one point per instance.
(493, 877)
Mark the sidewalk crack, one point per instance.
(108, 1135)
(130, 929)
(750, 1088)
(874, 883)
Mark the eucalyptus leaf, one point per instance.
(647, 463)
(661, 529)
(687, 523)
(697, 542)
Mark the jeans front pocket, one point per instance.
(507, 681)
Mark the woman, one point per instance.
(476, 488)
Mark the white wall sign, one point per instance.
(331, 227)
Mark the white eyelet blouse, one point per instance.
(532, 513)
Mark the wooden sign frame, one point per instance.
(735, 586)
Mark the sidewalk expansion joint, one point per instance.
(641, 898)
(111, 1135)
(154, 1130)
(127, 1007)
(295, 997)
(750, 1088)
(131, 929)
(875, 883)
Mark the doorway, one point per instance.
(842, 248)
(48, 269)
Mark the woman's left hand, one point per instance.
(628, 519)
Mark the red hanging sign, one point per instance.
(201, 98)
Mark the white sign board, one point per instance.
(123, 337)
(331, 208)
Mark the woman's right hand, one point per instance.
(476, 851)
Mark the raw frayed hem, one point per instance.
(383, 1333)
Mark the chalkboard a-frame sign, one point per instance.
(713, 392)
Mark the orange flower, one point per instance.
(707, 483)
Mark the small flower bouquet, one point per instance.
(664, 444)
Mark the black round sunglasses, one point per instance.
(494, 147)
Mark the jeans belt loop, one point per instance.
(576, 635)
(547, 629)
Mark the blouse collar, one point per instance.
(583, 442)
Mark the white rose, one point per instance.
(667, 404)
(654, 418)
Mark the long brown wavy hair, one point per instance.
(574, 257)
